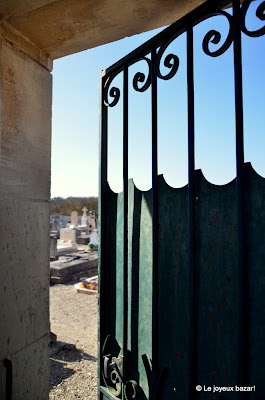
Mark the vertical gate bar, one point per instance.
(102, 220)
(9, 378)
(191, 212)
(240, 193)
(125, 219)
(155, 228)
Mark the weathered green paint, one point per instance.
(218, 293)
(106, 395)
(111, 271)
(139, 284)
(145, 289)
(119, 271)
(255, 254)
(174, 275)
(108, 284)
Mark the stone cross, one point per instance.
(55, 217)
(84, 217)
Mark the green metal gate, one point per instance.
(182, 287)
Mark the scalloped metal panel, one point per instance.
(218, 295)
(140, 287)
(218, 292)
(255, 259)
(140, 290)
(174, 290)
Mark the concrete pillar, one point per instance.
(25, 154)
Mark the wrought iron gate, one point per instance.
(186, 310)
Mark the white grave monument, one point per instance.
(68, 235)
(94, 238)
(84, 217)
(74, 218)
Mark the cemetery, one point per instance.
(73, 273)
(73, 356)
(73, 246)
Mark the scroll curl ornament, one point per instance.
(113, 382)
(171, 61)
(114, 92)
(260, 13)
(141, 77)
(214, 37)
(117, 381)
(130, 390)
(115, 388)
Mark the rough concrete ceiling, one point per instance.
(19, 7)
(63, 27)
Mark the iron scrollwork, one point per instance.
(140, 77)
(112, 377)
(114, 92)
(110, 373)
(214, 37)
(171, 61)
(117, 382)
(260, 13)
(130, 390)
(117, 385)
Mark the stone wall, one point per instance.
(25, 147)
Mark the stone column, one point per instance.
(25, 154)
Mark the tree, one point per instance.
(59, 205)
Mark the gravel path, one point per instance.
(73, 319)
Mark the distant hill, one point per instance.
(59, 205)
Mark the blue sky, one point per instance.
(75, 126)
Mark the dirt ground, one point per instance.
(73, 319)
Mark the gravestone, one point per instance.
(91, 221)
(68, 235)
(53, 248)
(84, 217)
(94, 238)
(55, 226)
(74, 218)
